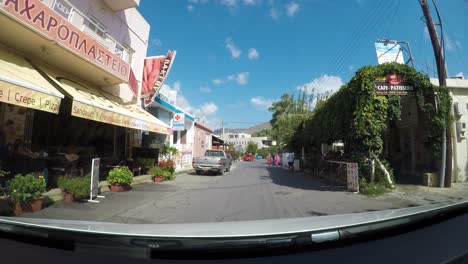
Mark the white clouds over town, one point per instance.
(232, 48)
(241, 78)
(261, 103)
(253, 54)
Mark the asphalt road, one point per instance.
(251, 191)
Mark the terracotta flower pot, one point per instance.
(116, 187)
(68, 197)
(158, 178)
(30, 206)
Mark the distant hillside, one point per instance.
(258, 128)
(249, 130)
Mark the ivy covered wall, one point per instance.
(358, 117)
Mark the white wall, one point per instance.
(460, 96)
(127, 27)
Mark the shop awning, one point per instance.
(95, 104)
(21, 84)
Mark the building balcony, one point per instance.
(117, 5)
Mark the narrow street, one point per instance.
(251, 191)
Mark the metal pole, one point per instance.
(446, 163)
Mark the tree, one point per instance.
(280, 107)
(251, 147)
(262, 133)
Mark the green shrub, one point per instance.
(25, 187)
(146, 162)
(170, 176)
(372, 188)
(157, 171)
(121, 175)
(80, 187)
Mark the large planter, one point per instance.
(68, 197)
(116, 187)
(30, 206)
(158, 178)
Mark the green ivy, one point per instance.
(357, 116)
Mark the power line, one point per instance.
(369, 27)
(369, 21)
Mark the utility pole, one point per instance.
(222, 128)
(446, 171)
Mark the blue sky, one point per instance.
(234, 57)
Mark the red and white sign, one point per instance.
(155, 72)
(44, 20)
(178, 123)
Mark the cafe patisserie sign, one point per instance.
(393, 84)
(37, 15)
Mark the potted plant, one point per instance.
(120, 179)
(74, 189)
(25, 192)
(158, 174)
(169, 166)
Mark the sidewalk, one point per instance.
(414, 195)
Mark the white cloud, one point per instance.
(176, 86)
(261, 103)
(274, 13)
(250, 2)
(156, 42)
(202, 111)
(190, 8)
(229, 3)
(205, 90)
(460, 74)
(351, 68)
(426, 33)
(208, 108)
(253, 54)
(292, 8)
(235, 51)
(242, 78)
(449, 45)
(325, 84)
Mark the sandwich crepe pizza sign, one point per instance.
(393, 84)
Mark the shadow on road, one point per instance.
(298, 180)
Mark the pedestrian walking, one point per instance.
(269, 159)
(291, 161)
(277, 160)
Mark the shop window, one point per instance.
(64, 9)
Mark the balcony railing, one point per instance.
(92, 28)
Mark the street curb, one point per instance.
(56, 194)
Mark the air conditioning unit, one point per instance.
(461, 129)
(460, 108)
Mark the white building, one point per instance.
(459, 93)
(78, 65)
(241, 140)
(164, 108)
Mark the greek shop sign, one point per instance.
(37, 15)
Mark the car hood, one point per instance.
(236, 229)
